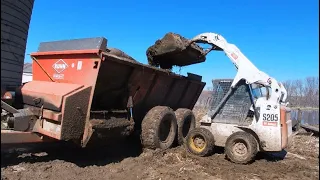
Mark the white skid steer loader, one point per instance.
(249, 113)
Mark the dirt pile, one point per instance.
(119, 53)
(174, 50)
(305, 144)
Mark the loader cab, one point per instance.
(259, 91)
(237, 107)
(240, 107)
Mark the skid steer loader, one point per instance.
(249, 113)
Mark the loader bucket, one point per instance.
(174, 50)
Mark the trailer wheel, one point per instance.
(241, 148)
(200, 142)
(186, 122)
(159, 128)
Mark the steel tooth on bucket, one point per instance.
(174, 50)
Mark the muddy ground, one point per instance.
(128, 162)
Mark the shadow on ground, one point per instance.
(272, 156)
(99, 155)
(268, 156)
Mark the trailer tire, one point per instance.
(241, 148)
(202, 135)
(159, 128)
(186, 122)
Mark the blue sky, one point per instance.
(279, 37)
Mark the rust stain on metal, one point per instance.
(49, 94)
(16, 137)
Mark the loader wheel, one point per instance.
(200, 142)
(241, 148)
(186, 122)
(159, 128)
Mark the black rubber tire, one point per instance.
(250, 143)
(186, 122)
(208, 138)
(151, 128)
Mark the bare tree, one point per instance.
(311, 91)
(303, 93)
(291, 90)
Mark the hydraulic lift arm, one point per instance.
(246, 69)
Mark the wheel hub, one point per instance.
(199, 142)
(240, 148)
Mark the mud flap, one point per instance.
(75, 114)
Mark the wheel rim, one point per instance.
(198, 143)
(240, 148)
